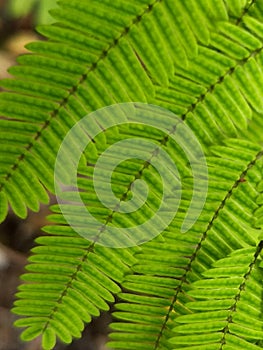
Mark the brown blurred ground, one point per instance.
(17, 236)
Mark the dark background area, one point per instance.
(16, 235)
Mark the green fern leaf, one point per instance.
(223, 226)
(69, 281)
(238, 321)
(84, 60)
(205, 65)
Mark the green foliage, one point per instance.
(203, 61)
(226, 296)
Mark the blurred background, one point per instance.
(18, 19)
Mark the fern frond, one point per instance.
(98, 54)
(232, 292)
(224, 225)
(86, 65)
(77, 272)
(212, 93)
(69, 281)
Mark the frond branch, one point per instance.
(220, 80)
(179, 289)
(241, 289)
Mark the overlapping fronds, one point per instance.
(77, 266)
(221, 89)
(88, 56)
(169, 266)
(201, 60)
(227, 311)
